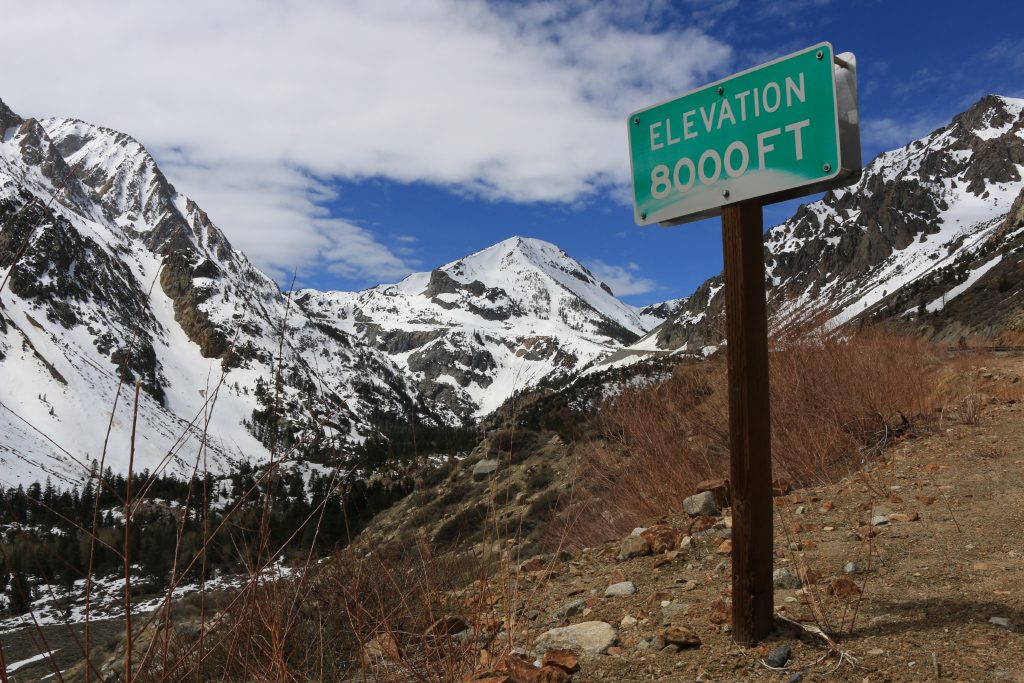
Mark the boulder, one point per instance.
(570, 609)
(701, 504)
(719, 488)
(563, 659)
(620, 589)
(587, 638)
(634, 546)
(484, 469)
(681, 637)
(662, 537)
(784, 578)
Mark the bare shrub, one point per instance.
(835, 401)
(970, 409)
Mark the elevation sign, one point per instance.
(780, 130)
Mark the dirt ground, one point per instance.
(929, 586)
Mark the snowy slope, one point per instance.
(125, 279)
(478, 329)
(928, 237)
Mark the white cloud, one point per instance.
(256, 106)
(890, 133)
(622, 279)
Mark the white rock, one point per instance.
(620, 589)
(588, 638)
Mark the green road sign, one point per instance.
(777, 131)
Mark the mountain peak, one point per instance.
(992, 113)
(8, 118)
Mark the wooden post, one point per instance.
(749, 423)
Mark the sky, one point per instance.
(355, 142)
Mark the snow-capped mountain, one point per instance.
(119, 279)
(476, 330)
(931, 235)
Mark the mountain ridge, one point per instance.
(921, 219)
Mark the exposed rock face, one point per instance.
(178, 281)
(8, 118)
(926, 234)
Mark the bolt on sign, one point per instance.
(780, 130)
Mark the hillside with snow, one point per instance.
(112, 278)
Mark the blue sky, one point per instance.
(357, 142)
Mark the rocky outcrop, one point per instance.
(8, 118)
(177, 279)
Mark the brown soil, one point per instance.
(929, 586)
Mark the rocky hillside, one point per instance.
(475, 330)
(931, 235)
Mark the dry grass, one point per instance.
(835, 403)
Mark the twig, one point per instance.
(127, 542)
(821, 635)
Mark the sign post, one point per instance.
(780, 130)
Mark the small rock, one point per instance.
(781, 487)
(681, 636)
(531, 614)
(484, 469)
(534, 564)
(628, 621)
(784, 578)
(850, 568)
(616, 577)
(719, 488)
(778, 657)
(671, 648)
(801, 510)
(876, 651)
(1000, 621)
(563, 659)
(686, 543)
(725, 547)
(588, 637)
(383, 646)
(701, 504)
(700, 524)
(795, 678)
(570, 609)
(620, 589)
(879, 520)
(634, 546)
(447, 626)
(661, 537)
(637, 531)
(614, 651)
(844, 587)
(904, 517)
